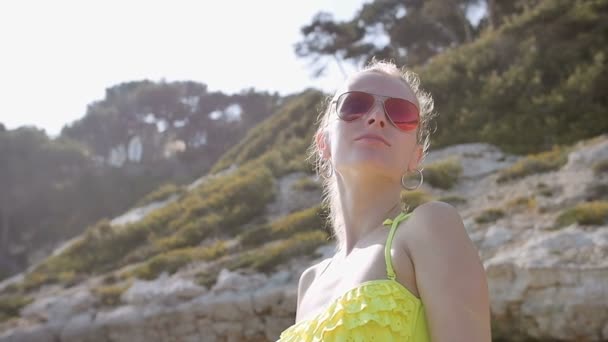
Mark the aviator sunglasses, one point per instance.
(402, 113)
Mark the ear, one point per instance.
(416, 157)
(322, 143)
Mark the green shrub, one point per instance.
(267, 257)
(162, 193)
(207, 278)
(600, 167)
(534, 82)
(453, 200)
(289, 131)
(219, 207)
(413, 198)
(191, 233)
(537, 163)
(256, 235)
(300, 221)
(11, 305)
(173, 260)
(527, 202)
(587, 213)
(545, 190)
(109, 295)
(597, 191)
(37, 278)
(489, 215)
(443, 174)
(305, 184)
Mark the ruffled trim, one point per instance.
(378, 310)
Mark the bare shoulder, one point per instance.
(307, 278)
(434, 224)
(436, 217)
(450, 275)
(428, 221)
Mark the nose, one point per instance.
(376, 114)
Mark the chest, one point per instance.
(364, 263)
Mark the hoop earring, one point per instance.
(417, 186)
(324, 173)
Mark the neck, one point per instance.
(366, 202)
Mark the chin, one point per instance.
(369, 166)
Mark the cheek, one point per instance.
(406, 150)
(339, 137)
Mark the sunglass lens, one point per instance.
(403, 113)
(354, 104)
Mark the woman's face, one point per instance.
(351, 155)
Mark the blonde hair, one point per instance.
(331, 195)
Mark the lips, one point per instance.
(373, 136)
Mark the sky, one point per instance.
(58, 56)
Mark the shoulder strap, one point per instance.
(387, 248)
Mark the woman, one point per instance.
(394, 276)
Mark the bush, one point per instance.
(207, 278)
(528, 202)
(293, 120)
(537, 163)
(256, 235)
(305, 184)
(162, 193)
(11, 305)
(37, 278)
(191, 233)
(217, 207)
(267, 257)
(453, 199)
(413, 198)
(443, 174)
(110, 295)
(310, 219)
(489, 215)
(587, 213)
(545, 190)
(534, 82)
(600, 167)
(596, 191)
(171, 261)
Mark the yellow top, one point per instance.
(376, 310)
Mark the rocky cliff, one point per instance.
(542, 236)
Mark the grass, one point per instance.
(536, 163)
(162, 193)
(414, 198)
(489, 215)
(10, 306)
(600, 168)
(267, 257)
(304, 220)
(110, 295)
(305, 184)
(443, 174)
(173, 260)
(215, 209)
(208, 278)
(545, 190)
(526, 202)
(587, 213)
(453, 199)
(598, 191)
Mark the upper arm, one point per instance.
(449, 274)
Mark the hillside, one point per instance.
(141, 141)
(540, 222)
(219, 259)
